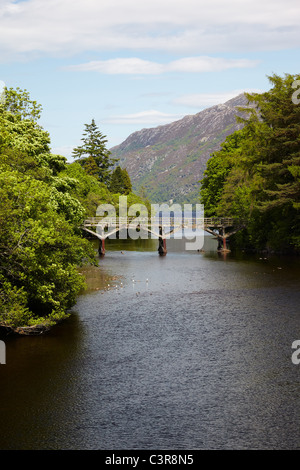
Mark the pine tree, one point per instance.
(94, 147)
(120, 181)
(91, 167)
(127, 186)
(115, 185)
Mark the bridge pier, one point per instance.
(219, 244)
(222, 244)
(101, 248)
(162, 245)
(222, 241)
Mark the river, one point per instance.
(194, 354)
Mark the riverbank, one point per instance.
(95, 280)
(32, 330)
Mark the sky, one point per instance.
(132, 64)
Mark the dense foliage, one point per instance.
(256, 174)
(40, 247)
(44, 201)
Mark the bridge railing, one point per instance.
(221, 221)
(123, 221)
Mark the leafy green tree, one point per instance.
(40, 244)
(84, 187)
(44, 200)
(18, 124)
(217, 170)
(39, 252)
(22, 135)
(93, 153)
(18, 103)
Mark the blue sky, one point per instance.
(132, 64)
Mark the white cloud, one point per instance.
(209, 64)
(120, 66)
(39, 27)
(65, 150)
(143, 117)
(204, 100)
(139, 66)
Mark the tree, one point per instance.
(120, 181)
(40, 245)
(84, 187)
(280, 150)
(39, 252)
(91, 167)
(263, 182)
(93, 153)
(18, 124)
(126, 182)
(217, 170)
(18, 103)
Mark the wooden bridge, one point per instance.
(220, 227)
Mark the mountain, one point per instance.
(168, 161)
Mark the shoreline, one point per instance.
(33, 330)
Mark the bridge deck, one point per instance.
(156, 222)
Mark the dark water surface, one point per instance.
(195, 354)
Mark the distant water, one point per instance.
(194, 354)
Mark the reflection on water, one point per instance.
(187, 351)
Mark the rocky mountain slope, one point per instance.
(168, 161)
